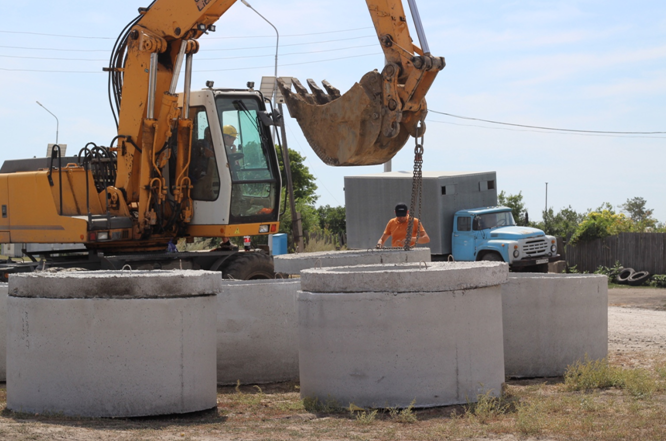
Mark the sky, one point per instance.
(581, 65)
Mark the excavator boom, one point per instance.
(370, 123)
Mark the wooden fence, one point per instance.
(640, 251)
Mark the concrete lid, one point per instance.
(295, 263)
(115, 284)
(405, 277)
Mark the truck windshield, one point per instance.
(251, 159)
(493, 220)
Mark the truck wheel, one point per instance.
(493, 257)
(638, 278)
(624, 274)
(249, 266)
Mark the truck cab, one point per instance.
(490, 233)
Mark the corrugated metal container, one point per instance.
(370, 201)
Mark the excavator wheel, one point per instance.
(249, 266)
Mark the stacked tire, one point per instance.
(629, 276)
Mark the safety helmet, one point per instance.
(230, 130)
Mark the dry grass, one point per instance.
(577, 407)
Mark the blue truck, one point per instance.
(457, 228)
(491, 233)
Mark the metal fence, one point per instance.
(640, 251)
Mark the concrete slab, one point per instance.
(405, 277)
(257, 331)
(115, 284)
(552, 320)
(295, 263)
(438, 346)
(77, 352)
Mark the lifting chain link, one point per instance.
(417, 187)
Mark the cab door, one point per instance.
(463, 242)
(4, 206)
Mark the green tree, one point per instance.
(563, 224)
(517, 206)
(598, 224)
(303, 180)
(332, 219)
(642, 216)
(635, 208)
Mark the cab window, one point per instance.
(464, 223)
(251, 160)
(203, 166)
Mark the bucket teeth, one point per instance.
(319, 95)
(302, 91)
(332, 91)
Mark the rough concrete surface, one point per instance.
(295, 263)
(552, 320)
(115, 284)
(106, 357)
(387, 349)
(405, 277)
(3, 331)
(257, 331)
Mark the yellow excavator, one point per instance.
(202, 163)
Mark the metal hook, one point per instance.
(126, 266)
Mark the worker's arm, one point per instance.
(380, 242)
(423, 236)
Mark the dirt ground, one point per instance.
(636, 320)
(637, 336)
(644, 298)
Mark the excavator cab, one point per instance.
(233, 166)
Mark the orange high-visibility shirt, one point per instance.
(398, 230)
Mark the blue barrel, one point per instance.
(279, 244)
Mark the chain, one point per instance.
(417, 187)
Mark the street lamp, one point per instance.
(57, 122)
(297, 228)
(277, 44)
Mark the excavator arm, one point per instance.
(155, 48)
(367, 125)
(370, 123)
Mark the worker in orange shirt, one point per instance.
(396, 229)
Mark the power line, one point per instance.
(208, 38)
(603, 132)
(205, 50)
(197, 70)
(287, 45)
(56, 35)
(547, 132)
(198, 59)
(53, 49)
(292, 35)
(287, 64)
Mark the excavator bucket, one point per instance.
(351, 129)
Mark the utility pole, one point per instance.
(545, 212)
(297, 227)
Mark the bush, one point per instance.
(658, 281)
(611, 272)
